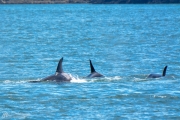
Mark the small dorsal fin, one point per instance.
(59, 67)
(91, 66)
(164, 71)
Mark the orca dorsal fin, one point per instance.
(91, 66)
(164, 71)
(59, 67)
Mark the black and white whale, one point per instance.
(93, 72)
(59, 76)
(158, 75)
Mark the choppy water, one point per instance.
(124, 42)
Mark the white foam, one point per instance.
(7, 81)
(76, 79)
(113, 78)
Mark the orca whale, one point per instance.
(59, 76)
(93, 72)
(158, 75)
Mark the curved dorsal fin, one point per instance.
(164, 71)
(91, 66)
(59, 67)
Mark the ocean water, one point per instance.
(125, 43)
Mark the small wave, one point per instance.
(168, 96)
(76, 79)
(7, 81)
(13, 81)
(139, 79)
(104, 79)
(113, 78)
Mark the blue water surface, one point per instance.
(125, 44)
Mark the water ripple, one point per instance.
(125, 42)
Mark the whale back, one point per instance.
(60, 75)
(158, 75)
(93, 71)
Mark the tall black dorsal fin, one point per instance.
(59, 67)
(164, 71)
(91, 66)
